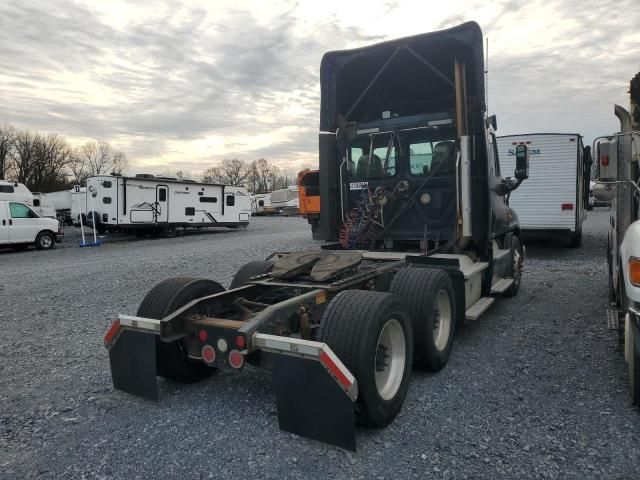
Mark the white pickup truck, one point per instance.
(21, 226)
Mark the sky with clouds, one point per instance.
(180, 85)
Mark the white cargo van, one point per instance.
(21, 226)
(554, 199)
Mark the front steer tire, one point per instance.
(352, 325)
(45, 241)
(166, 297)
(419, 289)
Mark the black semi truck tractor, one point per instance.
(420, 238)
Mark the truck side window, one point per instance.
(420, 155)
(493, 154)
(19, 210)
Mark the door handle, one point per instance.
(10, 222)
(4, 222)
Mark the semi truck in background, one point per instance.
(555, 198)
(69, 205)
(423, 240)
(618, 157)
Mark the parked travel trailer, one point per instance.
(286, 200)
(69, 204)
(555, 198)
(21, 226)
(42, 205)
(162, 204)
(261, 204)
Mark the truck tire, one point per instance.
(517, 265)
(167, 296)
(430, 300)
(249, 270)
(361, 327)
(45, 241)
(633, 362)
(574, 240)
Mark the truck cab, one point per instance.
(21, 226)
(618, 157)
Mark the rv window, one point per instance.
(6, 189)
(36, 202)
(190, 211)
(261, 203)
(106, 184)
(231, 200)
(209, 199)
(19, 210)
(162, 195)
(106, 200)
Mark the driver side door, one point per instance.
(23, 223)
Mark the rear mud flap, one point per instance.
(133, 364)
(311, 404)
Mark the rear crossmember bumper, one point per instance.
(315, 391)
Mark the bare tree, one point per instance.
(96, 158)
(7, 133)
(229, 172)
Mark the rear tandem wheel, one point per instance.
(166, 297)
(371, 334)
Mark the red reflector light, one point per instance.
(236, 359)
(333, 368)
(202, 336)
(240, 341)
(567, 206)
(208, 354)
(113, 329)
(604, 160)
(514, 143)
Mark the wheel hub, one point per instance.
(390, 359)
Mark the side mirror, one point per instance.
(603, 192)
(522, 163)
(608, 160)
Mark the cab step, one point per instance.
(501, 285)
(478, 308)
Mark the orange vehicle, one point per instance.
(309, 194)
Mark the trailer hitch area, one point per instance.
(315, 391)
(131, 342)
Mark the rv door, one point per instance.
(162, 204)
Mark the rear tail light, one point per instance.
(236, 359)
(567, 206)
(208, 354)
(202, 336)
(111, 333)
(634, 271)
(240, 341)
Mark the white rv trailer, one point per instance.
(162, 204)
(555, 197)
(261, 204)
(286, 200)
(69, 204)
(43, 205)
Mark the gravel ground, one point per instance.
(534, 389)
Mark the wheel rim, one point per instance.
(390, 359)
(45, 241)
(442, 320)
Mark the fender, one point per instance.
(630, 247)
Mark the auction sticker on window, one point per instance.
(358, 185)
